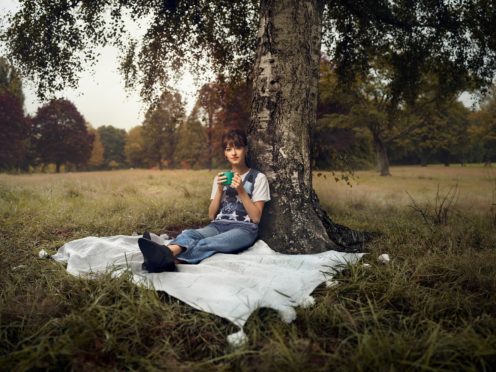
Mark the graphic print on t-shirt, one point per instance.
(231, 207)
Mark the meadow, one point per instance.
(433, 307)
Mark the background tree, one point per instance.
(430, 125)
(337, 143)
(14, 132)
(209, 104)
(10, 81)
(191, 150)
(234, 113)
(113, 141)
(30, 158)
(160, 128)
(442, 135)
(223, 104)
(483, 130)
(14, 128)
(451, 38)
(135, 147)
(61, 134)
(97, 151)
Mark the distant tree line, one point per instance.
(359, 126)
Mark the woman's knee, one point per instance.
(192, 233)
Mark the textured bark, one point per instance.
(382, 156)
(285, 85)
(209, 139)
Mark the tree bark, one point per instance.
(284, 102)
(381, 154)
(209, 138)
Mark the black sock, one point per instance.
(157, 258)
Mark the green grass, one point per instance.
(432, 308)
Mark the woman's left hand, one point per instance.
(237, 182)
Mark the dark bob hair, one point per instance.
(234, 137)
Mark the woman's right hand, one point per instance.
(221, 178)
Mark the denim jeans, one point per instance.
(223, 237)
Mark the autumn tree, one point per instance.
(208, 105)
(234, 112)
(191, 149)
(97, 151)
(61, 134)
(113, 140)
(160, 127)
(135, 147)
(222, 104)
(277, 44)
(14, 132)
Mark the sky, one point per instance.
(101, 97)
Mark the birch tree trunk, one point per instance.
(285, 86)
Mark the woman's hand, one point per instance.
(237, 182)
(220, 180)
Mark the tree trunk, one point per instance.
(57, 167)
(381, 154)
(209, 138)
(424, 161)
(285, 86)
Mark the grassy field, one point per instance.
(432, 307)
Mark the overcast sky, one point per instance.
(101, 97)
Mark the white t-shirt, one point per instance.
(261, 191)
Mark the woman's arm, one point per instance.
(254, 209)
(215, 203)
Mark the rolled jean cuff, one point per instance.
(184, 242)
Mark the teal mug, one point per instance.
(229, 177)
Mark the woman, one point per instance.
(235, 211)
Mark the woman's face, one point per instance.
(235, 155)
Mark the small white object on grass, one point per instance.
(287, 314)
(384, 258)
(366, 265)
(237, 339)
(43, 254)
(331, 283)
(307, 302)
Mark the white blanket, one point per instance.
(231, 286)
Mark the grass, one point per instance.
(432, 307)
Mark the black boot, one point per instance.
(158, 258)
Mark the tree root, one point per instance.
(347, 239)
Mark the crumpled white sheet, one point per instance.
(231, 286)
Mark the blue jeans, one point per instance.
(223, 237)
